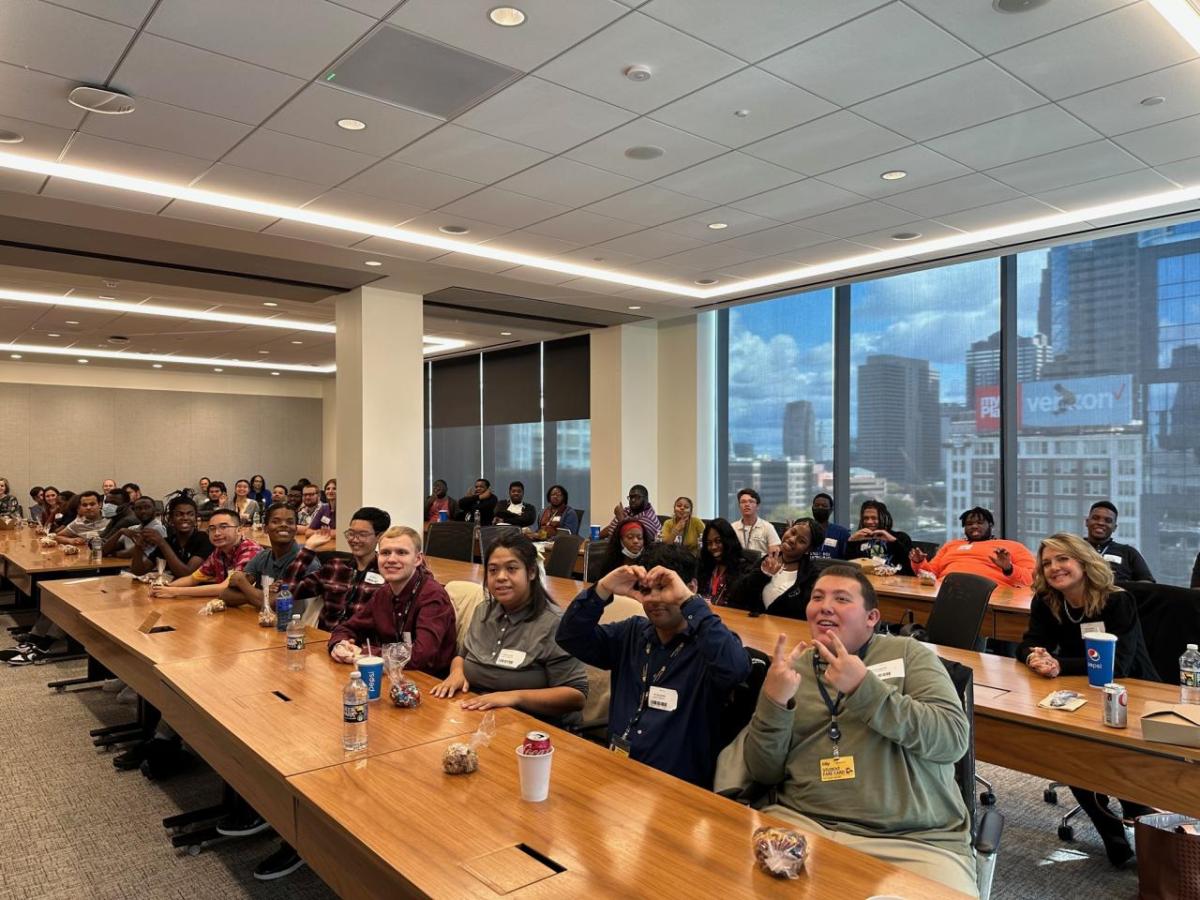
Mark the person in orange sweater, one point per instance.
(1005, 562)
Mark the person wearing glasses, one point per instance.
(752, 532)
(639, 508)
(231, 553)
(341, 585)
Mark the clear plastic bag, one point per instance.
(404, 691)
(462, 759)
(780, 851)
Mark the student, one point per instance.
(274, 562)
(35, 508)
(410, 604)
(877, 537)
(279, 494)
(53, 507)
(784, 579)
(259, 493)
(516, 511)
(625, 547)
(722, 563)
(1004, 562)
(671, 671)
(557, 513)
(683, 528)
(216, 499)
(752, 532)
(509, 655)
(121, 541)
(326, 516)
(246, 508)
(295, 497)
(10, 505)
(639, 508)
(310, 504)
(884, 706)
(480, 501)
(132, 491)
(184, 547)
(1127, 564)
(341, 586)
(108, 485)
(89, 521)
(438, 502)
(833, 545)
(231, 553)
(204, 482)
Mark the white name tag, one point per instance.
(865, 546)
(325, 521)
(893, 668)
(1091, 627)
(373, 578)
(963, 547)
(510, 659)
(1112, 557)
(663, 698)
(830, 542)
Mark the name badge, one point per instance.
(964, 547)
(837, 768)
(325, 521)
(373, 578)
(619, 746)
(1086, 628)
(893, 668)
(830, 542)
(663, 698)
(510, 659)
(1112, 557)
(864, 547)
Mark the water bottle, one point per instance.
(257, 522)
(1189, 675)
(283, 608)
(295, 645)
(476, 517)
(354, 714)
(94, 548)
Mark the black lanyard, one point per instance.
(834, 706)
(356, 583)
(402, 620)
(648, 679)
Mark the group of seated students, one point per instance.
(483, 507)
(883, 699)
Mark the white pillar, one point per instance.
(379, 408)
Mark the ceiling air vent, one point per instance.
(101, 100)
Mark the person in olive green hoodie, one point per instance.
(860, 732)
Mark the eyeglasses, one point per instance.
(358, 535)
(213, 528)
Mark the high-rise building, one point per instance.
(983, 361)
(799, 433)
(899, 419)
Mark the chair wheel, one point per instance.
(1066, 832)
(987, 798)
(194, 849)
(1050, 795)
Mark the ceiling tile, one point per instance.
(172, 128)
(1107, 190)
(21, 182)
(229, 179)
(537, 244)
(566, 181)
(293, 157)
(704, 259)
(124, 12)
(315, 112)
(729, 177)
(300, 37)
(1019, 136)
(469, 154)
(679, 64)
(37, 97)
(998, 214)
(648, 244)
(1185, 172)
(431, 222)
(781, 239)
(1164, 143)
(988, 31)
(649, 205)
(680, 150)
(380, 210)
(1109, 48)
(884, 240)
(130, 159)
(1117, 108)
(408, 184)
(858, 219)
(922, 165)
(186, 76)
(503, 208)
(836, 140)
(538, 276)
(797, 201)
(901, 46)
(61, 41)
(315, 233)
(543, 115)
(769, 103)
(969, 95)
(550, 27)
(1066, 167)
(474, 263)
(752, 29)
(215, 215)
(41, 141)
(736, 222)
(102, 196)
(582, 227)
(375, 8)
(953, 195)
(385, 247)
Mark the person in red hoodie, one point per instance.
(409, 602)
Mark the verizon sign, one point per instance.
(1104, 401)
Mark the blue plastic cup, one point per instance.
(1100, 649)
(595, 532)
(371, 668)
(443, 515)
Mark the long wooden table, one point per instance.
(27, 562)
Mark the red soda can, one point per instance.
(536, 743)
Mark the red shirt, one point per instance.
(220, 562)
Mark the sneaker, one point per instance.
(242, 823)
(128, 696)
(164, 758)
(28, 657)
(113, 686)
(282, 862)
(132, 758)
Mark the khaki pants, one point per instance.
(918, 857)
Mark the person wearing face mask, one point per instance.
(877, 538)
(625, 548)
(683, 528)
(516, 511)
(785, 578)
(833, 545)
(1004, 562)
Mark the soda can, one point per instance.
(536, 743)
(1116, 705)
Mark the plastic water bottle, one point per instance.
(283, 608)
(95, 546)
(1189, 675)
(257, 522)
(295, 645)
(354, 714)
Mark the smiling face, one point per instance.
(439, 489)
(1101, 523)
(295, 497)
(870, 518)
(204, 483)
(183, 519)
(50, 497)
(712, 542)
(281, 527)
(633, 540)
(257, 483)
(361, 537)
(331, 492)
(242, 489)
(398, 559)
(223, 530)
(976, 528)
(1062, 571)
(507, 578)
(108, 485)
(836, 606)
(796, 543)
(312, 496)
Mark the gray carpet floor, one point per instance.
(74, 827)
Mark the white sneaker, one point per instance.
(128, 696)
(113, 686)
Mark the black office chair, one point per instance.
(488, 535)
(929, 548)
(579, 520)
(451, 540)
(753, 557)
(958, 611)
(561, 563)
(780, 527)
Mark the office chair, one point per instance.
(579, 520)
(561, 562)
(488, 535)
(451, 540)
(929, 548)
(753, 557)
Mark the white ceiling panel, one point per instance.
(650, 205)
(1185, 173)
(1169, 142)
(998, 214)
(954, 195)
(315, 112)
(1107, 190)
(124, 12)
(563, 180)
(987, 30)
(922, 165)
(1020, 136)
(550, 27)
(704, 259)
(1122, 44)
(884, 238)
(680, 150)
(230, 179)
(474, 263)
(767, 105)
(649, 244)
(376, 8)
(216, 215)
(410, 185)
(857, 219)
(41, 141)
(1117, 108)
(753, 29)
(800, 200)
(37, 97)
(729, 177)
(543, 115)
(130, 159)
(780, 239)
(469, 154)
(528, 242)
(300, 37)
(538, 276)
(431, 222)
(380, 210)
(582, 227)
(60, 41)
(314, 233)
(101, 196)
(383, 248)
(1074, 166)
(186, 76)
(966, 96)
(20, 182)
(172, 128)
(736, 222)
(679, 64)
(294, 157)
(828, 143)
(871, 55)
(504, 208)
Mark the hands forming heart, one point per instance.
(659, 585)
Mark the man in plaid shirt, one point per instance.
(231, 552)
(340, 585)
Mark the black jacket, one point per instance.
(470, 503)
(1130, 566)
(525, 518)
(1064, 639)
(897, 551)
(792, 603)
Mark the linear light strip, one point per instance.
(1183, 17)
(166, 358)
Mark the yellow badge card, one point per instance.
(837, 768)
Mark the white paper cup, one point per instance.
(534, 772)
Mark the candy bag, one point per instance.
(404, 692)
(780, 851)
(462, 759)
(212, 606)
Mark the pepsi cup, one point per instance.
(1101, 652)
(443, 515)
(595, 532)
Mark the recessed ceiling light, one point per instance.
(506, 16)
(454, 229)
(894, 175)
(10, 137)
(101, 100)
(633, 307)
(906, 235)
(373, 263)
(506, 334)
(83, 361)
(274, 373)
(741, 113)
(218, 370)
(647, 151)
(1153, 101)
(156, 366)
(270, 303)
(717, 226)
(352, 124)
(72, 322)
(638, 73)
(15, 355)
(706, 281)
(297, 342)
(1183, 16)
(1017, 6)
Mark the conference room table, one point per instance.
(26, 562)
(387, 821)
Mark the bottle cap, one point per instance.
(296, 618)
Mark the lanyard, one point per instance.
(349, 607)
(834, 706)
(648, 680)
(400, 621)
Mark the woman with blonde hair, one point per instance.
(10, 505)
(1074, 595)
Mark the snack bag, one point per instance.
(780, 851)
(404, 691)
(212, 606)
(462, 759)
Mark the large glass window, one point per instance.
(455, 437)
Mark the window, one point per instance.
(455, 434)
(1035, 466)
(1038, 505)
(1095, 467)
(1066, 466)
(1065, 486)
(1034, 486)
(1126, 467)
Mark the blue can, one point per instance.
(283, 609)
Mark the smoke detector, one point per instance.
(638, 73)
(101, 100)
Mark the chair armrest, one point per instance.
(987, 834)
(753, 795)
